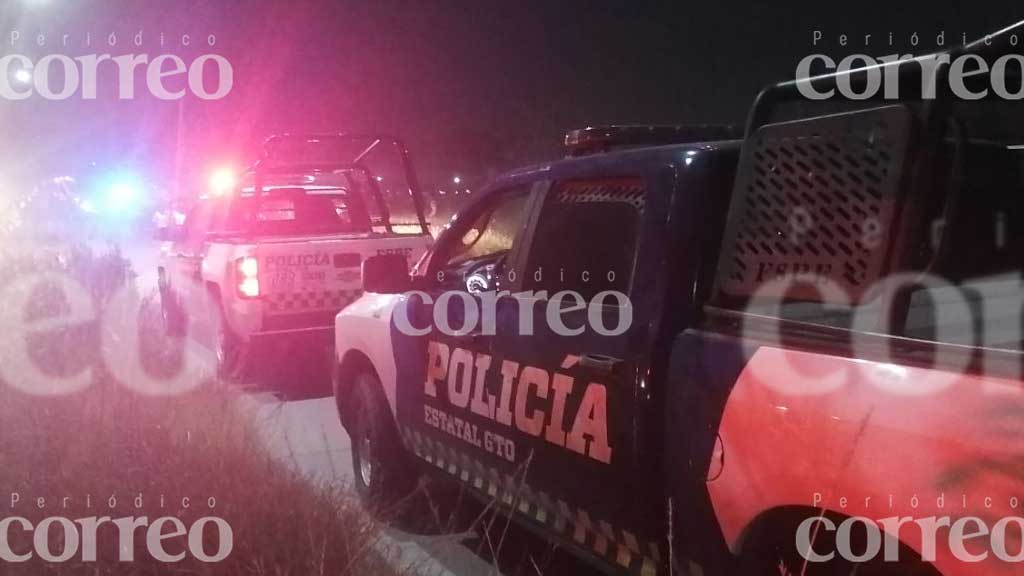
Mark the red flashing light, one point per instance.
(222, 181)
(248, 277)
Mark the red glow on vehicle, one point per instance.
(248, 273)
(877, 444)
(222, 181)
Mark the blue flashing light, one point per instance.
(120, 194)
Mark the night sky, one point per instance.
(473, 87)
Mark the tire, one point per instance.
(382, 476)
(170, 314)
(230, 353)
(228, 347)
(771, 551)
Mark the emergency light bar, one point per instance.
(596, 139)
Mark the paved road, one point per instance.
(308, 435)
(433, 536)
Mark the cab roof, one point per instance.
(623, 162)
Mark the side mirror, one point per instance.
(386, 274)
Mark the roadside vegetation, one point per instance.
(106, 450)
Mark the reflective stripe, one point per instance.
(310, 300)
(615, 546)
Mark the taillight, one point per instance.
(248, 277)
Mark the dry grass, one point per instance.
(76, 451)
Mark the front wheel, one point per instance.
(381, 475)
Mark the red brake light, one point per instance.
(248, 277)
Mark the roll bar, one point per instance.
(269, 164)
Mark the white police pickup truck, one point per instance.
(279, 255)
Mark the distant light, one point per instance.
(380, 178)
(222, 180)
(23, 76)
(457, 180)
(87, 206)
(122, 195)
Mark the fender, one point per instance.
(365, 327)
(881, 440)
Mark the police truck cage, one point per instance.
(377, 166)
(598, 139)
(845, 193)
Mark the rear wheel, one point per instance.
(382, 476)
(771, 550)
(170, 314)
(229, 348)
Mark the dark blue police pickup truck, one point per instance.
(688, 350)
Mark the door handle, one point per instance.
(599, 362)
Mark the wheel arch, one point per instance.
(343, 375)
(790, 516)
(778, 517)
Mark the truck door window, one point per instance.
(977, 247)
(586, 237)
(474, 255)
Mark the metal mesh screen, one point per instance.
(816, 199)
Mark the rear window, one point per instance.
(296, 214)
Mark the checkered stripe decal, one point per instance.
(617, 546)
(628, 191)
(311, 300)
